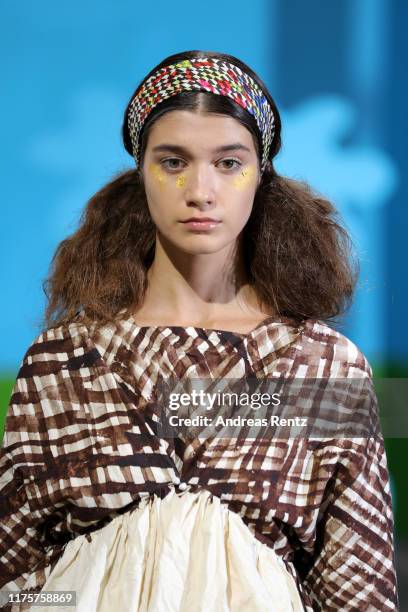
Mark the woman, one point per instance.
(201, 263)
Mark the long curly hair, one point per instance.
(298, 256)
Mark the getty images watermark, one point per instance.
(278, 408)
(213, 401)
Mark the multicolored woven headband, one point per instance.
(205, 74)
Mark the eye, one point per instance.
(169, 161)
(237, 163)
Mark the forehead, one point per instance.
(188, 128)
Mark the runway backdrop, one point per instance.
(336, 72)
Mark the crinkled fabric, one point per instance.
(184, 552)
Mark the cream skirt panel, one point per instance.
(186, 552)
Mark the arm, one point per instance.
(28, 463)
(353, 566)
(77, 449)
(21, 549)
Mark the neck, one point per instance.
(197, 286)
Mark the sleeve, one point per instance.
(21, 550)
(353, 565)
(74, 449)
(28, 502)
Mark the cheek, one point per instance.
(245, 209)
(244, 187)
(157, 188)
(156, 177)
(245, 179)
(180, 181)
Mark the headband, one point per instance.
(205, 74)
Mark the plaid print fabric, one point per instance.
(202, 74)
(80, 449)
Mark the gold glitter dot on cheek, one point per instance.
(181, 181)
(245, 177)
(158, 174)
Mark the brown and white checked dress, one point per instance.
(86, 482)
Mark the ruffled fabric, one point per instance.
(186, 552)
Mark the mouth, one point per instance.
(203, 223)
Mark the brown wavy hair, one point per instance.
(298, 255)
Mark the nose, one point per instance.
(200, 187)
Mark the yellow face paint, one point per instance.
(181, 181)
(158, 173)
(245, 177)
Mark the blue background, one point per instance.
(334, 69)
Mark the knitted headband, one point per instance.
(205, 74)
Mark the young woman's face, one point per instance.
(198, 166)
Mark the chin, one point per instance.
(203, 249)
(200, 244)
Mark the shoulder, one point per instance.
(67, 346)
(79, 344)
(331, 351)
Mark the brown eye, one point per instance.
(233, 161)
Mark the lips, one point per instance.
(201, 220)
(201, 224)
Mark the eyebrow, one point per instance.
(236, 146)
